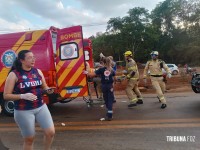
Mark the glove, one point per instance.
(85, 72)
(169, 75)
(101, 55)
(128, 76)
(28, 96)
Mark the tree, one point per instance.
(172, 28)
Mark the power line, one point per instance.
(7, 30)
(97, 24)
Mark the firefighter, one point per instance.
(132, 75)
(154, 70)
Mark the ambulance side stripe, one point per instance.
(65, 74)
(79, 81)
(73, 74)
(20, 42)
(5, 70)
(34, 40)
(75, 77)
(84, 91)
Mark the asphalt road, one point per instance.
(145, 127)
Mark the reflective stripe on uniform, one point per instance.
(131, 68)
(134, 100)
(162, 98)
(134, 78)
(110, 111)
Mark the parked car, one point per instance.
(96, 64)
(173, 68)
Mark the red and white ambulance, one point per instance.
(60, 56)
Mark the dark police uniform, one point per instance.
(107, 88)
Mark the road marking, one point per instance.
(184, 125)
(116, 124)
(111, 126)
(120, 122)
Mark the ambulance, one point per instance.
(59, 55)
(87, 45)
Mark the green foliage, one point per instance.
(172, 28)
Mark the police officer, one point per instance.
(154, 68)
(132, 75)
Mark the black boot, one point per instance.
(109, 116)
(140, 101)
(163, 106)
(108, 119)
(132, 105)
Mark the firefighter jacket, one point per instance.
(154, 68)
(132, 69)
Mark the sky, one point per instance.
(93, 15)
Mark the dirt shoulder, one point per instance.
(178, 83)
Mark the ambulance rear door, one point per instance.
(70, 63)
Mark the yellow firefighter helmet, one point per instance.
(128, 53)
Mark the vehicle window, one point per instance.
(68, 51)
(87, 56)
(54, 38)
(170, 66)
(96, 64)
